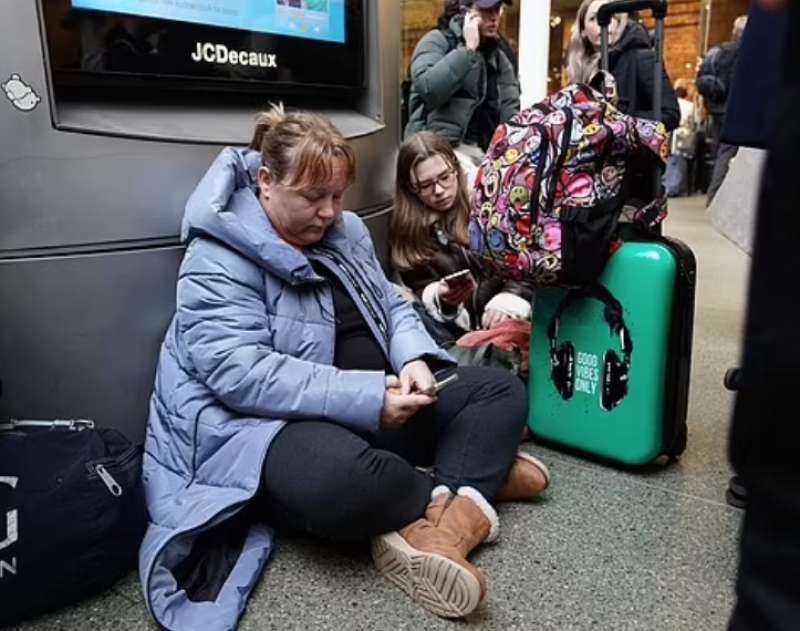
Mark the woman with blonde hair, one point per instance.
(429, 237)
(631, 61)
(296, 389)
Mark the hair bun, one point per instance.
(265, 121)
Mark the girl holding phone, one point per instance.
(429, 237)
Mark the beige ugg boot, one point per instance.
(429, 562)
(527, 479)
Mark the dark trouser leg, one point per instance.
(323, 479)
(470, 434)
(725, 154)
(764, 444)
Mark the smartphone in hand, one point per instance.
(459, 279)
(443, 383)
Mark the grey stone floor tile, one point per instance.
(601, 552)
(608, 553)
(130, 588)
(109, 611)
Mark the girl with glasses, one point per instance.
(429, 237)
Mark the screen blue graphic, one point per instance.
(311, 19)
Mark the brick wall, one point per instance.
(681, 38)
(723, 13)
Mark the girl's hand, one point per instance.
(458, 294)
(492, 317)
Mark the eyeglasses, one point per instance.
(444, 179)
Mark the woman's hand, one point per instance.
(417, 377)
(399, 407)
(456, 294)
(472, 34)
(492, 317)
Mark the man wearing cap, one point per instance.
(462, 83)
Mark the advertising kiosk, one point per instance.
(111, 111)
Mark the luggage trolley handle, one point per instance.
(659, 8)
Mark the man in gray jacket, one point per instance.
(463, 84)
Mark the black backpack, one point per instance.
(72, 513)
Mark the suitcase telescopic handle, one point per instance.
(659, 9)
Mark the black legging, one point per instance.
(324, 479)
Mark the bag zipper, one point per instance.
(100, 470)
(111, 484)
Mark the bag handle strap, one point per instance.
(613, 313)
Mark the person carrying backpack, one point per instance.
(462, 83)
(714, 81)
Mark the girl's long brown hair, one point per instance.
(410, 231)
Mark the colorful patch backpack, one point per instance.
(549, 193)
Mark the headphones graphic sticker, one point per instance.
(563, 358)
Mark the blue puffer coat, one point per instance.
(250, 348)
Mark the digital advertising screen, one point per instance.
(263, 46)
(322, 20)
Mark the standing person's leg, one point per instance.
(725, 154)
(765, 448)
(325, 480)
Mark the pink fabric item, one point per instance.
(508, 335)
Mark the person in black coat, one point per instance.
(757, 76)
(765, 447)
(631, 61)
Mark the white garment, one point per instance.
(470, 158)
(687, 112)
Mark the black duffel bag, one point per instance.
(72, 513)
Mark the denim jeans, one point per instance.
(326, 480)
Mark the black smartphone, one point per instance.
(458, 279)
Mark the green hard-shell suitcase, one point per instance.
(609, 363)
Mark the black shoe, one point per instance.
(736, 495)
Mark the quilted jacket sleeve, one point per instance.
(437, 71)
(225, 336)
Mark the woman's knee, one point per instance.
(495, 384)
(385, 490)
